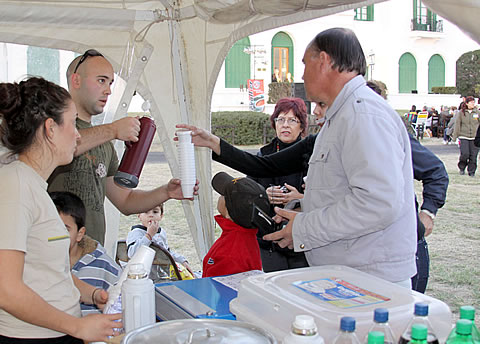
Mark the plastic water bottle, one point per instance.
(347, 332)
(380, 324)
(375, 337)
(420, 316)
(468, 312)
(462, 333)
(418, 334)
(304, 331)
(138, 299)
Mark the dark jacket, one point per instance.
(427, 167)
(295, 179)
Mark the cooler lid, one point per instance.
(192, 331)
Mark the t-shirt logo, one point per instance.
(101, 170)
(210, 261)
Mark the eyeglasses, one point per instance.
(89, 52)
(291, 121)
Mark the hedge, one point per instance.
(444, 90)
(279, 90)
(242, 127)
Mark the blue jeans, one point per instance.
(420, 280)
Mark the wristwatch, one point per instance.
(429, 213)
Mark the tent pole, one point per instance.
(112, 215)
(193, 215)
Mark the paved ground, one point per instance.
(435, 147)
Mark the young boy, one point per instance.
(237, 248)
(150, 231)
(88, 259)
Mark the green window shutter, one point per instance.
(415, 10)
(436, 72)
(44, 62)
(370, 15)
(407, 73)
(237, 65)
(364, 13)
(282, 40)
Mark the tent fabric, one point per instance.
(181, 46)
(463, 13)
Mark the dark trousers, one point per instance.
(273, 260)
(468, 156)
(58, 340)
(420, 280)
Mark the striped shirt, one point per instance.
(97, 269)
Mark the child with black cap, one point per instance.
(237, 248)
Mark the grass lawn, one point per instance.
(454, 245)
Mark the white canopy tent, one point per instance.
(171, 52)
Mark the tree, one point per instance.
(468, 73)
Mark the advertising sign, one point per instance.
(256, 95)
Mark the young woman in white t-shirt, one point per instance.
(39, 297)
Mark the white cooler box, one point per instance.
(328, 293)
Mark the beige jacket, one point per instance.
(466, 124)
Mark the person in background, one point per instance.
(445, 117)
(90, 175)
(39, 296)
(236, 249)
(466, 125)
(412, 115)
(348, 217)
(150, 231)
(89, 260)
(276, 75)
(289, 119)
(430, 170)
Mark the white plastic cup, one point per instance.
(186, 162)
(184, 136)
(187, 189)
(144, 256)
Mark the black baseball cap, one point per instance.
(241, 194)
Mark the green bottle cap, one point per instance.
(419, 332)
(467, 312)
(464, 326)
(376, 337)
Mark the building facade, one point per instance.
(407, 46)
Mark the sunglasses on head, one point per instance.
(89, 52)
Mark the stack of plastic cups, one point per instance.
(186, 157)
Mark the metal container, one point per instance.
(205, 331)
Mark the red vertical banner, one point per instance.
(256, 95)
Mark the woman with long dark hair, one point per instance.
(39, 297)
(466, 125)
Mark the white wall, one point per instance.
(388, 36)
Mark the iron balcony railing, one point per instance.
(421, 24)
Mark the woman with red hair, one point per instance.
(289, 119)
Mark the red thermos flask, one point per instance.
(135, 154)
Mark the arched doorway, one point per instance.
(436, 72)
(407, 73)
(282, 56)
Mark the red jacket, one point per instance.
(235, 251)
